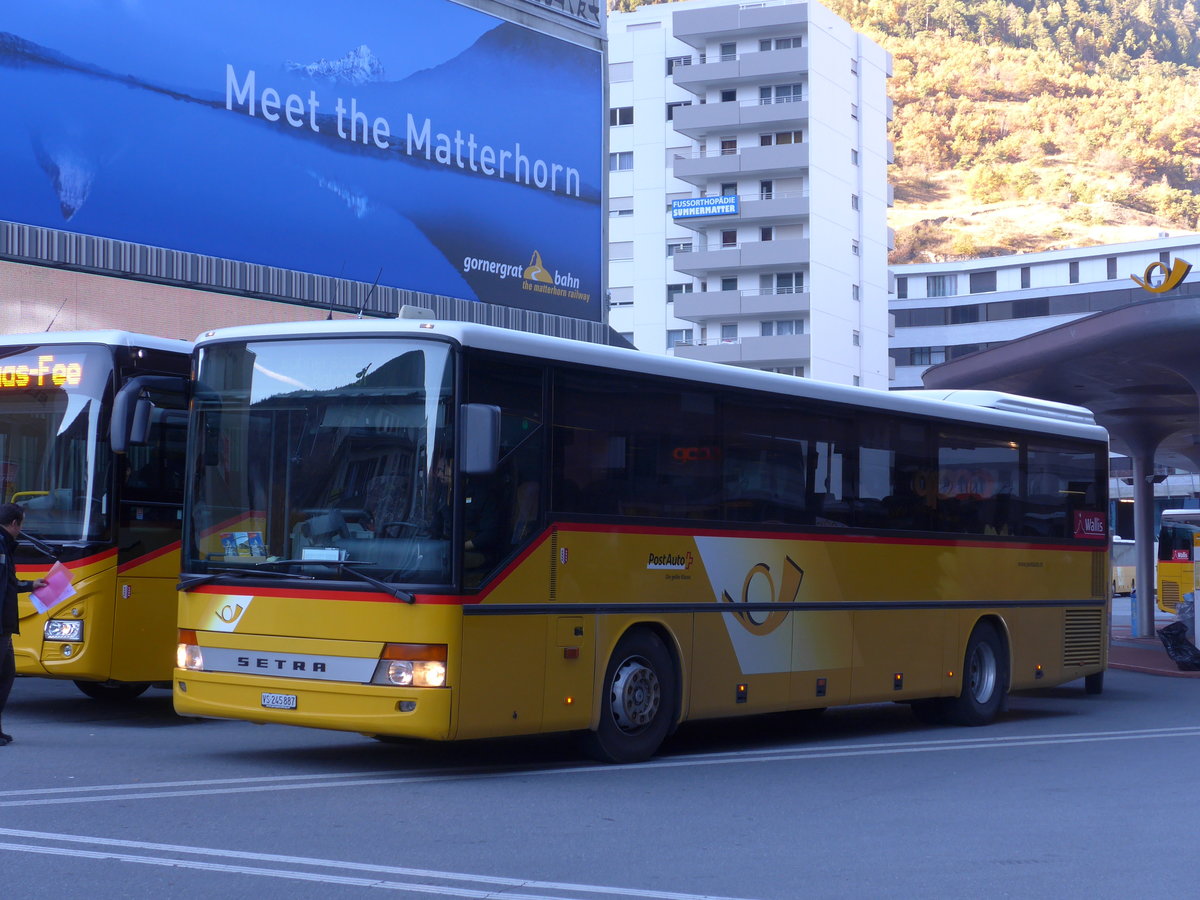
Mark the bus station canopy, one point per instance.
(1137, 368)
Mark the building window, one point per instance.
(766, 233)
(728, 51)
(779, 327)
(674, 61)
(786, 43)
(729, 238)
(1165, 258)
(856, 338)
(729, 284)
(855, 292)
(781, 283)
(1112, 267)
(729, 95)
(902, 288)
(853, 66)
(620, 206)
(1025, 276)
(780, 93)
(1033, 308)
(781, 137)
(766, 190)
(854, 201)
(1073, 272)
(962, 315)
(854, 110)
(857, 381)
(620, 162)
(928, 356)
(729, 189)
(797, 371)
(982, 282)
(674, 247)
(854, 248)
(622, 71)
(728, 332)
(671, 107)
(941, 285)
(728, 146)
(853, 157)
(678, 336)
(620, 296)
(674, 290)
(620, 115)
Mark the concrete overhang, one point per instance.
(1137, 368)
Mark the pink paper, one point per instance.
(58, 588)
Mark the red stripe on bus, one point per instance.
(152, 555)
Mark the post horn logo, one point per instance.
(535, 271)
(761, 621)
(230, 613)
(1171, 278)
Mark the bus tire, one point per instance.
(1094, 683)
(113, 691)
(984, 679)
(638, 702)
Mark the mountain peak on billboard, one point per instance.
(359, 66)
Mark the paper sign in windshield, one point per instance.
(58, 589)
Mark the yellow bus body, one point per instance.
(128, 615)
(881, 619)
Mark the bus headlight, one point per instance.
(64, 630)
(188, 654)
(412, 665)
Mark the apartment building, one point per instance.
(748, 190)
(946, 310)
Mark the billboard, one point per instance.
(424, 145)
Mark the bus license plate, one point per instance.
(279, 701)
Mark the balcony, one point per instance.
(765, 255)
(696, 27)
(698, 307)
(701, 169)
(747, 68)
(779, 206)
(780, 350)
(700, 120)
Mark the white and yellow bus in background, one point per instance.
(105, 507)
(1178, 535)
(423, 529)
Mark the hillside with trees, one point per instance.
(1025, 125)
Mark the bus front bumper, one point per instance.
(420, 713)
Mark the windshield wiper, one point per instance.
(40, 546)
(398, 593)
(241, 572)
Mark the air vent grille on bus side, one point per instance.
(1101, 576)
(1169, 599)
(1083, 637)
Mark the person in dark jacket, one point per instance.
(11, 518)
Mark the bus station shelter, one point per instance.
(1137, 368)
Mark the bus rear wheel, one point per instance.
(638, 702)
(112, 691)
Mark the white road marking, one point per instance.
(424, 887)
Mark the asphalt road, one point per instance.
(1067, 796)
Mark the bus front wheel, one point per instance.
(638, 702)
(985, 679)
(112, 691)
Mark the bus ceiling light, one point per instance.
(63, 630)
(189, 655)
(412, 665)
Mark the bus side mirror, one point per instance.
(139, 429)
(479, 439)
(127, 407)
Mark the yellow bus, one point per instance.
(434, 530)
(68, 401)
(1179, 530)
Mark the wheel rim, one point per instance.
(636, 695)
(983, 673)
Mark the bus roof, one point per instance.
(105, 337)
(984, 407)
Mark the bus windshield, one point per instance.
(328, 459)
(51, 461)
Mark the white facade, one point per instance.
(946, 310)
(783, 106)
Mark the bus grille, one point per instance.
(1169, 599)
(1083, 637)
(1101, 576)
